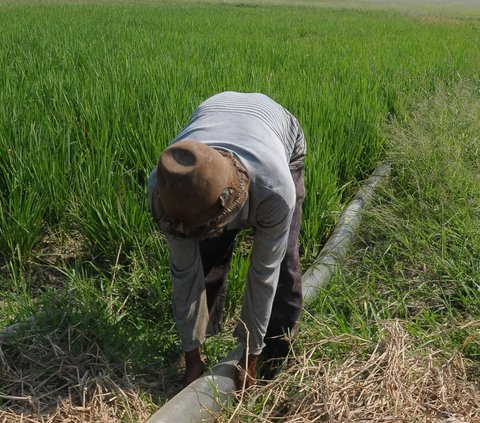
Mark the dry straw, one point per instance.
(396, 382)
(44, 380)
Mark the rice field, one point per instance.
(90, 94)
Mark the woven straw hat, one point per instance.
(200, 189)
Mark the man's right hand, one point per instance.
(194, 366)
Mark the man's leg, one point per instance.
(287, 305)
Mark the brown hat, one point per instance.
(200, 189)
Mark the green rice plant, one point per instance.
(126, 89)
(18, 302)
(90, 94)
(238, 272)
(21, 217)
(108, 210)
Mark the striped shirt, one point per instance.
(233, 116)
(269, 142)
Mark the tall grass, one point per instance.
(417, 255)
(91, 93)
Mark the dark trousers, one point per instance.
(287, 305)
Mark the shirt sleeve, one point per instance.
(269, 246)
(188, 288)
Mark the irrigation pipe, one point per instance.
(200, 400)
(337, 245)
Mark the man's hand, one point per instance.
(194, 366)
(245, 372)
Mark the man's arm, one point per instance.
(270, 243)
(188, 287)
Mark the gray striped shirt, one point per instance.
(269, 142)
(231, 116)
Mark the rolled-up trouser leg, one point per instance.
(216, 254)
(287, 305)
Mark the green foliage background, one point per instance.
(91, 93)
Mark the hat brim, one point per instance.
(232, 200)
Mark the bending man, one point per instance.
(238, 163)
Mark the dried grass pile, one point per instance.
(44, 378)
(395, 383)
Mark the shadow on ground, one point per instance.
(55, 368)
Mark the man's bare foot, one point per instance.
(245, 371)
(194, 366)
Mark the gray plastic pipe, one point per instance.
(337, 245)
(201, 399)
(16, 327)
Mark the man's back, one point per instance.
(249, 124)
